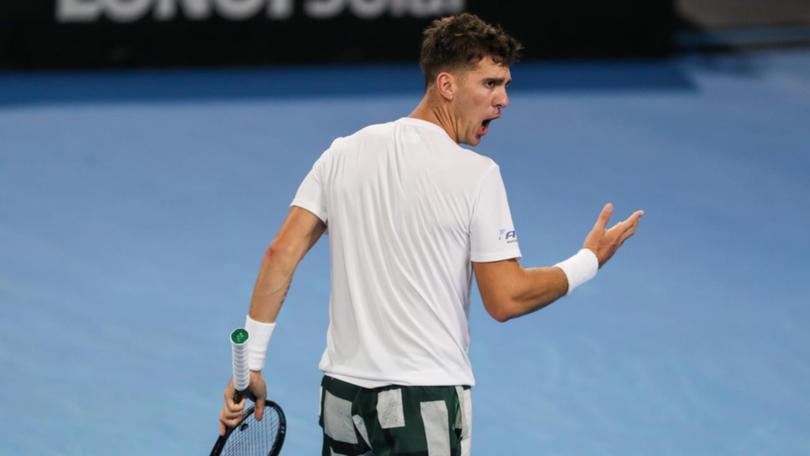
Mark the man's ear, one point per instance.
(446, 85)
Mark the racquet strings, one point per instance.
(253, 437)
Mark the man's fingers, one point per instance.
(631, 229)
(634, 218)
(632, 222)
(629, 222)
(259, 411)
(228, 424)
(604, 216)
(231, 414)
(627, 234)
(227, 420)
(235, 407)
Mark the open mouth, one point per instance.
(485, 126)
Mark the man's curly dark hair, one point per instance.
(461, 41)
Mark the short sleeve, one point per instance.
(492, 233)
(311, 193)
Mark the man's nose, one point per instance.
(502, 99)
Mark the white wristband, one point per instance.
(258, 338)
(580, 268)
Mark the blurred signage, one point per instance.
(126, 33)
(73, 11)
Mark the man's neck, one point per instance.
(435, 113)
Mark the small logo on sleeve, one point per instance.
(509, 236)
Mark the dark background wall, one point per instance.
(90, 33)
(116, 33)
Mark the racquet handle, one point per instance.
(241, 372)
(239, 395)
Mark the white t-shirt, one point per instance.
(407, 209)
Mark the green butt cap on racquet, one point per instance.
(241, 372)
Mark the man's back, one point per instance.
(401, 201)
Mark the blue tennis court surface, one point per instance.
(135, 207)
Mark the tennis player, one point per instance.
(411, 215)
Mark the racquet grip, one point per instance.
(239, 395)
(241, 372)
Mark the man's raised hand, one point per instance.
(603, 241)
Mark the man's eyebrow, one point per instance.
(499, 80)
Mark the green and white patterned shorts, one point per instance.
(395, 420)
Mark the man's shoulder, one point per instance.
(383, 128)
(484, 161)
(474, 164)
(370, 131)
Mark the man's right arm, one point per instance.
(299, 232)
(509, 290)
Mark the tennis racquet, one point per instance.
(250, 437)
